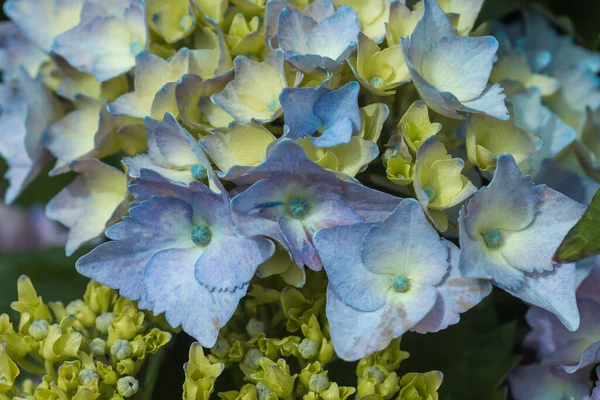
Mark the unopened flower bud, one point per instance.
(253, 357)
(127, 386)
(39, 329)
(254, 327)
(121, 349)
(318, 383)
(98, 347)
(87, 376)
(104, 321)
(308, 349)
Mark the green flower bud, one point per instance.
(125, 326)
(99, 297)
(221, 348)
(255, 327)
(39, 329)
(29, 302)
(8, 370)
(420, 386)
(121, 349)
(127, 386)
(106, 373)
(337, 393)
(318, 382)
(82, 312)
(61, 343)
(126, 367)
(104, 321)
(263, 392)
(308, 349)
(376, 373)
(276, 377)
(98, 347)
(252, 358)
(155, 339)
(200, 374)
(67, 375)
(87, 376)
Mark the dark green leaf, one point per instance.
(583, 240)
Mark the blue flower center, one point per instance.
(297, 207)
(201, 235)
(399, 283)
(430, 193)
(376, 81)
(492, 238)
(198, 172)
(135, 47)
(273, 106)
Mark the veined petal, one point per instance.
(356, 334)
(339, 249)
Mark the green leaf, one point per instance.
(53, 275)
(475, 355)
(583, 240)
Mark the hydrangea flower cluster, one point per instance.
(92, 348)
(215, 143)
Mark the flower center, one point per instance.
(297, 207)
(376, 81)
(399, 284)
(198, 172)
(185, 22)
(430, 193)
(201, 235)
(135, 47)
(273, 106)
(492, 238)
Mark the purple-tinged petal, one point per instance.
(406, 245)
(172, 288)
(298, 110)
(553, 291)
(158, 224)
(299, 243)
(456, 295)
(537, 382)
(532, 249)
(356, 334)
(339, 249)
(371, 205)
(293, 29)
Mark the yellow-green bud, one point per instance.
(125, 326)
(376, 373)
(126, 366)
(155, 339)
(39, 329)
(318, 383)
(82, 312)
(127, 386)
(253, 357)
(263, 392)
(308, 348)
(86, 376)
(108, 376)
(221, 348)
(99, 297)
(67, 375)
(121, 349)
(98, 347)
(255, 327)
(8, 370)
(104, 321)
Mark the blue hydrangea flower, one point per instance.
(328, 117)
(295, 197)
(16, 52)
(318, 40)
(28, 107)
(509, 232)
(169, 153)
(107, 38)
(451, 72)
(179, 254)
(382, 280)
(558, 347)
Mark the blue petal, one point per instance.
(172, 288)
(155, 225)
(339, 249)
(298, 110)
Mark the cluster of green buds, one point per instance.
(277, 346)
(377, 379)
(90, 349)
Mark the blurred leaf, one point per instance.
(475, 355)
(501, 394)
(53, 274)
(583, 240)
